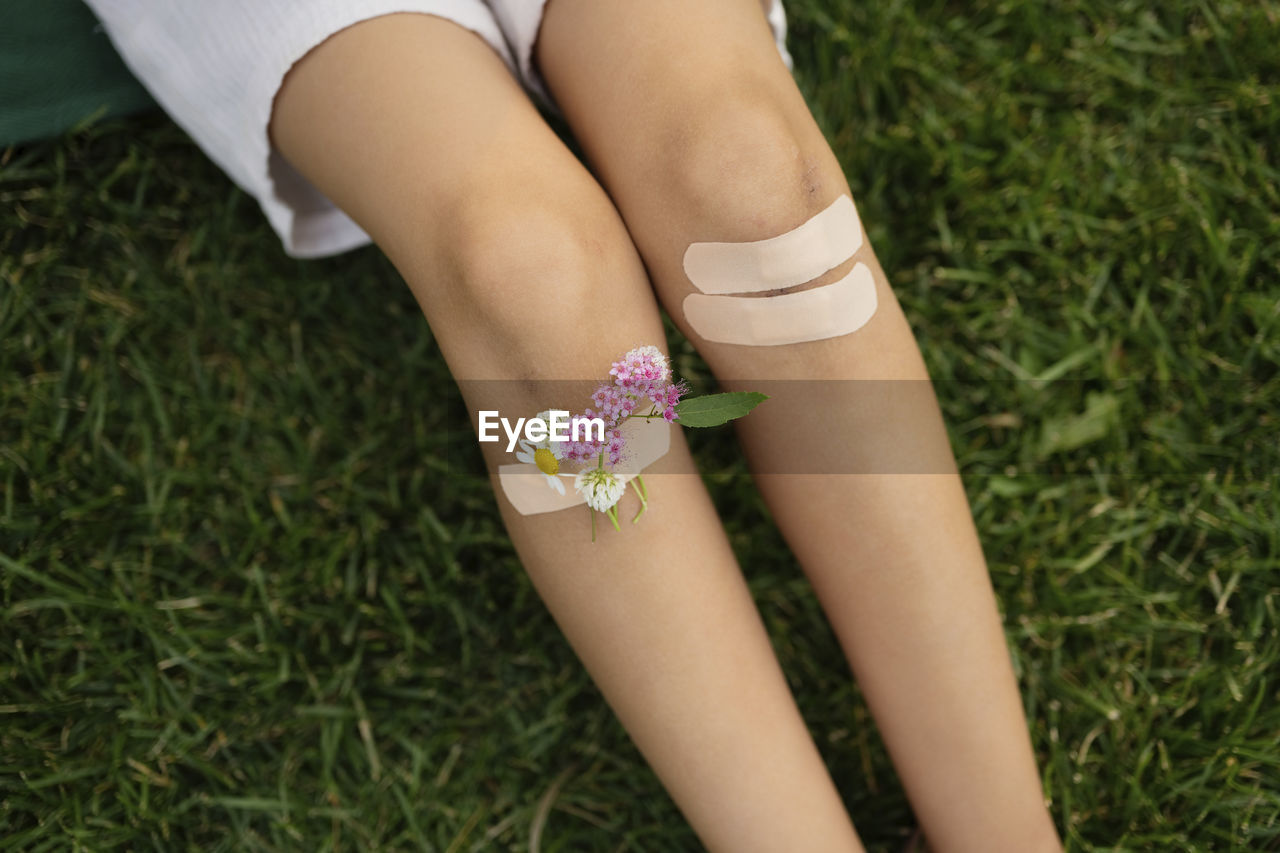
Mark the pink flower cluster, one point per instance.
(642, 375)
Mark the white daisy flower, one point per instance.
(545, 455)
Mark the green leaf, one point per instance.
(714, 409)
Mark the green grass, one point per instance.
(243, 608)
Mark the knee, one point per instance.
(529, 280)
(517, 265)
(747, 168)
(746, 165)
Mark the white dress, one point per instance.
(215, 67)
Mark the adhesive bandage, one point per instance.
(810, 315)
(824, 242)
(801, 255)
(527, 489)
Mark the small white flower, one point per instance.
(601, 488)
(545, 455)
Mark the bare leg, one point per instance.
(698, 133)
(525, 271)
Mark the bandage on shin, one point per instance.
(527, 489)
(792, 318)
(817, 246)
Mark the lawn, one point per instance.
(246, 603)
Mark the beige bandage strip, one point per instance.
(526, 487)
(809, 315)
(824, 242)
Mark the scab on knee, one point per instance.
(735, 156)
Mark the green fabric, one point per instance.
(57, 68)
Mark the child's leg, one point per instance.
(698, 133)
(525, 271)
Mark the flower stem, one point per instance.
(637, 483)
(612, 512)
(593, 523)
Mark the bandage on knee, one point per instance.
(810, 315)
(825, 241)
(526, 487)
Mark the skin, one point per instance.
(515, 253)
(698, 132)
(530, 269)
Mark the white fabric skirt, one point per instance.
(215, 66)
